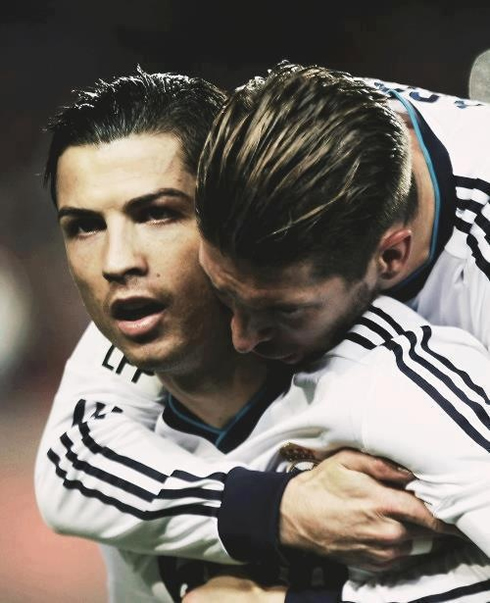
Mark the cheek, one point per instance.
(173, 253)
(91, 297)
(190, 282)
(81, 263)
(86, 280)
(79, 274)
(308, 327)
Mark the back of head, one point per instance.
(306, 163)
(143, 103)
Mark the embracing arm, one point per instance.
(103, 474)
(436, 422)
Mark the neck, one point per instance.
(219, 388)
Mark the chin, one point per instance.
(148, 364)
(169, 360)
(146, 357)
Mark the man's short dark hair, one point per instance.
(143, 103)
(306, 163)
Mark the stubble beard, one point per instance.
(337, 333)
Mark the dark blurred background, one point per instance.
(48, 49)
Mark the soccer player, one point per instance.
(330, 189)
(122, 167)
(317, 190)
(398, 387)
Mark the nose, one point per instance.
(248, 331)
(123, 255)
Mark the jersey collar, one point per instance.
(237, 430)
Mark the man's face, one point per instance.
(126, 210)
(285, 314)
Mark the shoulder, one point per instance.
(461, 124)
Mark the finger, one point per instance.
(379, 559)
(411, 509)
(386, 554)
(416, 532)
(382, 566)
(405, 507)
(445, 529)
(379, 468)
(442, 531)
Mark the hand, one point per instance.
(233, 589)
(341, 509)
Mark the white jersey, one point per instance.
(454, 288)
(104, 475)
(102, 472)
(397, 388)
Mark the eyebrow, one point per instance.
(161, 192)
(75, 212)
(133, 203)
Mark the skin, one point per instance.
(127, 216)
(385, 521)
(235, 589)
(285, 314)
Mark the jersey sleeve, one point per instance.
(430, 412)
(470, 241)
(103, 474)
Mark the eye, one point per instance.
(82, 227)
(156, 214)
(287, 310)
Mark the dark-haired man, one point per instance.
(125, 205)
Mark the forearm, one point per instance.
(114, 481)
(102, 475)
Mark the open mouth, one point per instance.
(139, 319)
(135, 310)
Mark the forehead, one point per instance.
(258, 287)
(122, 169)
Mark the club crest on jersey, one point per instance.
(300, 458)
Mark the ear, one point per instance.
(393, 253)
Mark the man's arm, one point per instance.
(384, 518)
(429, 411)
(102, 474)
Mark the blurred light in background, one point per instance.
(479, 85)
(15, 316)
